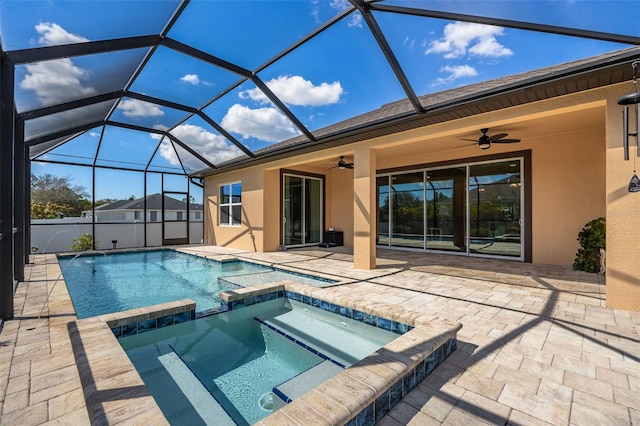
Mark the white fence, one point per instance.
(57, 235)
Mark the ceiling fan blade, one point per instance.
(470, 140)
(506, 141)
(466, 145)
(499, 136)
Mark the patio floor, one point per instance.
(537, 344)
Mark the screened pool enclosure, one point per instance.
(137, 102)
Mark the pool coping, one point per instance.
(223, 258)
(362, 394)
(113, 390)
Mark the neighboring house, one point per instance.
(398, 180)
(134, 210)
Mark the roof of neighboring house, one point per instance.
(154, 202)
(544, 83)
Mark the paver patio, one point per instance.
(538, 345)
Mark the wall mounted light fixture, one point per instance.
(630, 114)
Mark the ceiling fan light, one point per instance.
(484, 144)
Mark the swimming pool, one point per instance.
(239, 366)
(105, 283)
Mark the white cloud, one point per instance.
(340, 4)
(58, 79)
(52, 34)
(267, 124)
(136, 108)
(213, 147)
(194, 79)
(94, 134)
(409, 42)
(355, 20)
(190, 78)
(295, 90)
(455, 72)
(315, 11)
(461, 38)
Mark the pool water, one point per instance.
(223, 368)
(106, 283)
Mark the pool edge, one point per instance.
(369, 389)
(114, 391)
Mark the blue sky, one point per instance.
(339, 74)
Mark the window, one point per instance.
(136, 215)
(198, 216)
(230, 204)
(179, 216)
(153, 216)
(112, 217)
(471, 208)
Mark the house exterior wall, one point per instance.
(568, 191)
(577, 174)
(250, 234)
(623, 213)
(340, 199)
(127, 215)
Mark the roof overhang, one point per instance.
(539, 85)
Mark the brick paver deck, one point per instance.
(538, 345)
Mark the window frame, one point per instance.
(229, 205)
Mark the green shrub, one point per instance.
(592, 239)
(83, 243)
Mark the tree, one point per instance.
(52, 195)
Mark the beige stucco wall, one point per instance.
(248, 236)
(577, 175)
(340, 203)
(568, 176)
(568, 184)
(568, 190)
(623, 214)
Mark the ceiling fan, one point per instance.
(343, 164)
(485, 141)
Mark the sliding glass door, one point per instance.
(407, 210)
(446, 210)
(302, 209)
(495, 207)
(473, 209)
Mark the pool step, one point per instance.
(305, 381)
(337, 339)
(203, 403)
(256, 278)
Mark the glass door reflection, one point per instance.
(495, 207)
(302, 208)
(446, 209)
(407, 210)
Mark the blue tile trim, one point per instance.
(299, 343)
(208, 312)
(373, 320)
(375, 411)
(154, 323)
(281, 395)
